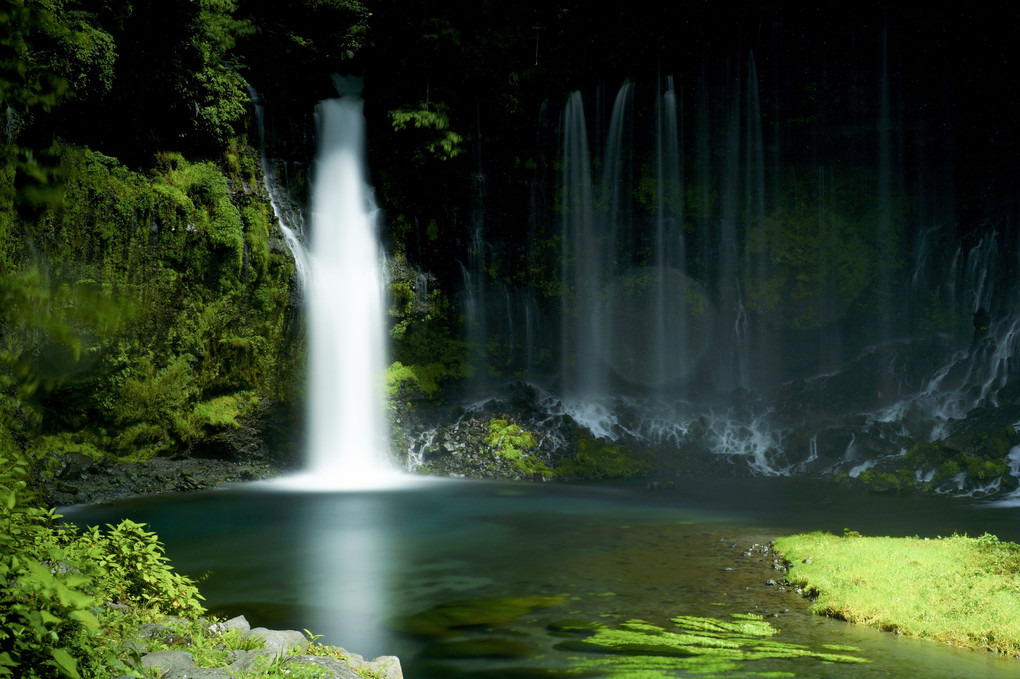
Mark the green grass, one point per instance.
(956, 590)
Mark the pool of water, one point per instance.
(467, 578)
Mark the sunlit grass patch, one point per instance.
(957, 590)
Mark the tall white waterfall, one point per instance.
(344, 293)
(347, 433)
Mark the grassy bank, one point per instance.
(957, 590)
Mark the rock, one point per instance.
(337, 669)
(243, 661)
(240, 623)
(198, 673)
(384, 667)
(165, 661)
(280, 641)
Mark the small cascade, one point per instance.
(288, 215)
(670, 322)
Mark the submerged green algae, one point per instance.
(698, 645)
(446, 619)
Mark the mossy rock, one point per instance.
(601, 459)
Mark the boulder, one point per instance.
(279, 641)
(165, 661)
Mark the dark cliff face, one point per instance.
(846, 117)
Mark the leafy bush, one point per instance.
(53, 580)
(511, 442)
(129, 566)
(46, 619)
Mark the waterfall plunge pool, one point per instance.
(406, 572)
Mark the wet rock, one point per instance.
(384, 667)
(244, 661)
(180, 664)
(109, 483)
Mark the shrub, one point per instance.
(53, 580)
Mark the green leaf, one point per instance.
(65, 663)
(72, 599)
(86, 618)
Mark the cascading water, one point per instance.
(341, 275)
(347, 433)
(288, 215)
(703, 309)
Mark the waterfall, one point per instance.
(584, 376)
(344, 295)
(347, 434)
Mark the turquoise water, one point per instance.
(386, 572)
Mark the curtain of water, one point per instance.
(348, 439)
(670, 318)
(581, 269)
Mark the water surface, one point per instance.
(356, 567)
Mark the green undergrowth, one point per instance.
(427, 353)
(217, 650)
(66, 593)
(953, 590)
(74, 603)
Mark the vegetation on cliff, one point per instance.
(146, 298)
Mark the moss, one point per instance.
(956, 590)
(900, 481)
(696, 644)
(161, 308)
(416, 381)
(979, 454)
(221, 412)
(600, 459)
